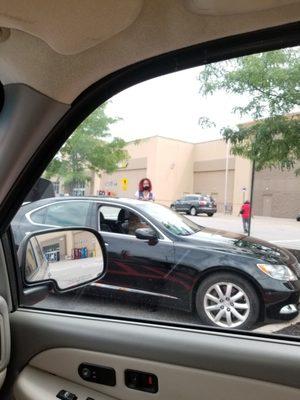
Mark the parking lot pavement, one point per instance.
(283, 232)
(117, 305)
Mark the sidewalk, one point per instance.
(283, 232)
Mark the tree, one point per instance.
(270, 84)
(90, 148)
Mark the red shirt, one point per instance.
(246, 211)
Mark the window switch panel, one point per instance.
(143, 381)
(97, 374)
(65, 395)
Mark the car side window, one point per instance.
(39, 215)
(120, 220)
(191, 198)
(67, 213)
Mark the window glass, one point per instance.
(67, 213)
(191, 198)
(110, 213)
(223, 139)
(173, 223)
(120, 220)
(39, 215)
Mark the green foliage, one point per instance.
(90, 148)
(270, 83)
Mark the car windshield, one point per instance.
(174, 223)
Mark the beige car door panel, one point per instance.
(175, 382)
(34, 384)
(5, 344)
(186, 362)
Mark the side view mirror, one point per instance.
(147, 234)
(66, 258)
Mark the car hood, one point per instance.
(245, 245)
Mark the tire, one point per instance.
(193, 211)
(298, 219)
(247, 305)
(210, 214)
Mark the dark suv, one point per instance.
(194, 204)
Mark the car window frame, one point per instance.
(207, 52)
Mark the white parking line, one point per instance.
(285, 241)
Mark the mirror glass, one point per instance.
(70, 257)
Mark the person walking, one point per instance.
(145, 190)
(245, 212)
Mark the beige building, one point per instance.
(177, 168)
(277, 193)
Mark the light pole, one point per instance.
(251, 195)
(226, 178)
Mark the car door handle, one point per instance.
(106, 244)
(125, 253)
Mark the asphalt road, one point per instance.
(120, 305)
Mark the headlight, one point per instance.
(280, 272)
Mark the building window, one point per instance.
(79, 189)
(56, 187)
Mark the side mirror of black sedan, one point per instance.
(147, 234)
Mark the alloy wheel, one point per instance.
(193, 211)
(226, 304)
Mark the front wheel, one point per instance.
(193, 211)
(210, 214)
(227, 300)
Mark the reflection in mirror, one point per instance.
(70, 257)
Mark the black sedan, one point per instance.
(229, 279)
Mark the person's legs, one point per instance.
(244, 224)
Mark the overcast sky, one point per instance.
(171, 106)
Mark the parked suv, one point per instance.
(194, 204)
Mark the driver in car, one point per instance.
(134, 223)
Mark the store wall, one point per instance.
(172, 172)
(277, 193)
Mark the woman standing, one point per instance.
(145, 190)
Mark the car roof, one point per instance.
(71, 44)
(42, 202)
